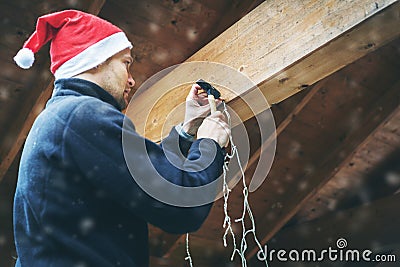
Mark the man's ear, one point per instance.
(94, 73)
(91, 75)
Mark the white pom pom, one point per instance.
(24, 58)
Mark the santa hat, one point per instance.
(79, 42)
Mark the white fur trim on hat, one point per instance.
(93, 55)
(24, 58)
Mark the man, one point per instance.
(76, 203)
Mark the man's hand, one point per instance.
(197, 108)
(216, 128)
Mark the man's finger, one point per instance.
(193, 91)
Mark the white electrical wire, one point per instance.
(246, 210)
(188, 257)
(246, 207)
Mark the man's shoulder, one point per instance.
(81, 106)
(77, 112)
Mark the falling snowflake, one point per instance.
(86, 225)
(392, 179)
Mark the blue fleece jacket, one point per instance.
(76, 203)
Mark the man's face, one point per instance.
(116, 77)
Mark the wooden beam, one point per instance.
(330, 163)
(283, 46)
(40, 102)
(96, 6)
(37, 108)
(204, 252)
(373, 222)
(292, 111)
(281, 127)
(327, 94)
(177, 240)
(373, 226)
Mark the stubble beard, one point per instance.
(117, 93)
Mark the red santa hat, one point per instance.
(79, 42)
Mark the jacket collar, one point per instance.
(72, 86)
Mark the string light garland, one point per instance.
(227, 224)
(188, 257)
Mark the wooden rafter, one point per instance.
(380, 219)
(377, 109)
(40, 102)
(280, 49)
(175, 241)
(384, 107)
(361, 227)
(356, 32)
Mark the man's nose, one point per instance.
(131, 81)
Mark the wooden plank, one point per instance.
(374, 222)
(278, 47)
(371, 163)
(7, 188)
(176, 241)
(204, 252)
(336, 99)
(38, 106)
(331, 163)
(326, 96)
(40, 102)
(96, 6)
(373, 226)
(281, 127)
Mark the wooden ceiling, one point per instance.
(336, 172)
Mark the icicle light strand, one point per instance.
(227, 225)
(246, 207)
(188, 257)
